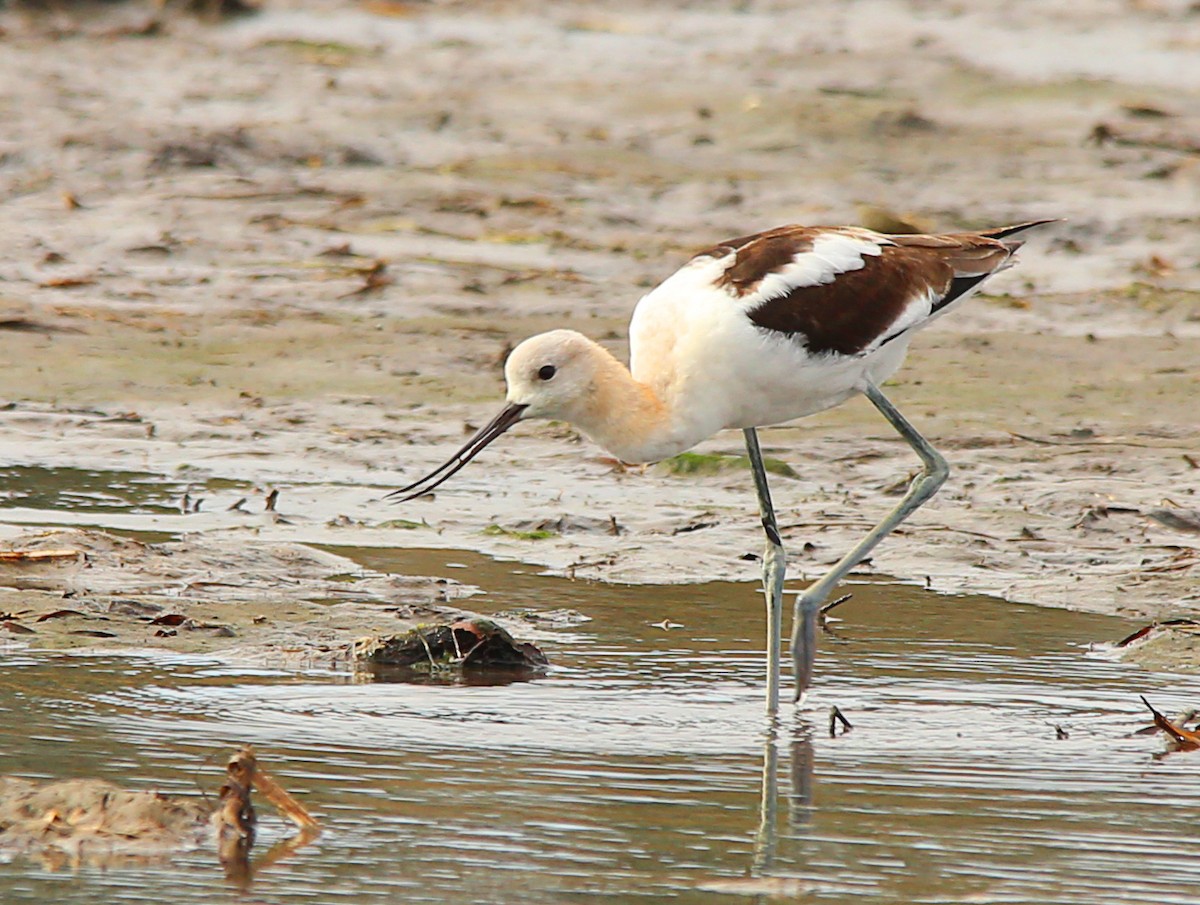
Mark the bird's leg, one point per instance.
(774, 569)
(924, 486)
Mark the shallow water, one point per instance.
(105, 492)
(634, 770)
(87, 490)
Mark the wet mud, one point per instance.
(278, 605)
(289, 253)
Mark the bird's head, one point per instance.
(550, 375)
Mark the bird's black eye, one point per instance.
(545, 372)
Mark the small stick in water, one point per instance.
(835, 717)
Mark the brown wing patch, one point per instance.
(860, 306)
(759, 255)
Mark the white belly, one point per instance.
(785, 383)
(741, 376)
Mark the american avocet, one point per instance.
(755, 331)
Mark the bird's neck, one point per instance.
(627, 417)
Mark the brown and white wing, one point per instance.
(847, 291)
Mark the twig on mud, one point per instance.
(266, 194)
(956, 530)
(848, 521)
(36, 555)
(428, 651)
(375, 278)
(1090, 441)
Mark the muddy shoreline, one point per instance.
(243, 282)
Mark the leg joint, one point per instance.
(940, 470)
(772, 533)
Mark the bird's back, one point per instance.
(777, 325)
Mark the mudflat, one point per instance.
(290, 252)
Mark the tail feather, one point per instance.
(1005, 231)
(967, 279)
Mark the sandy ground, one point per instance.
(290, 251)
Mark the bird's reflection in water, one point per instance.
(800, 797)
(803, 758)
(766, 839)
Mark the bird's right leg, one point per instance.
(933, 474)
(774, 569)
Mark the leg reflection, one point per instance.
(800, 798)
(766, 839)
(800, 802)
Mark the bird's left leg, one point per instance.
(774, 568)
(925, 485)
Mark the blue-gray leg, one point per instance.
(924, 486)
(774, 569)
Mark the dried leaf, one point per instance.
(66, 282)
(392, 9)
(1146, 111)
(284, 803)
(1186, 739)
(1134, 636)
(16, 628)
(339, 251)
(58, 614)
(1179, 519)
(694, 526)
(25, 325)
(374, 278)
(1147, 629)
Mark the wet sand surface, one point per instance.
(289, 252)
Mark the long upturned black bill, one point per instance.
(473, 447)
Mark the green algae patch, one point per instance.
(402, 523)
(501, 531)
(691, 463)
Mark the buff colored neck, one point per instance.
(625, 416)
